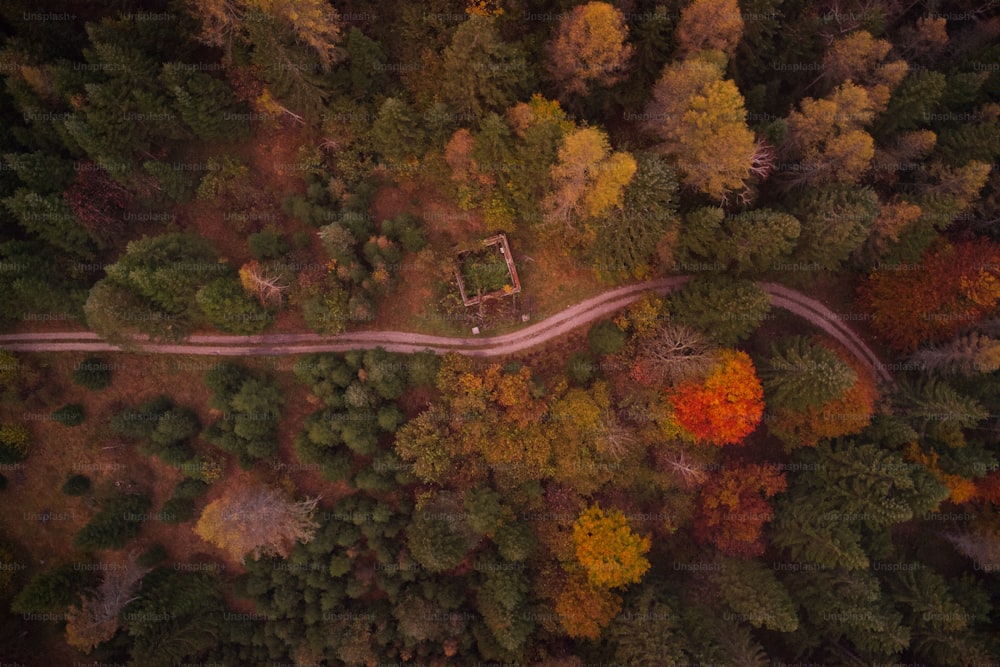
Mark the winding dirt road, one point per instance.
(540, 332)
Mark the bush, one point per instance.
(53, 591)
(92, 373)
(229, 308)
(178, 510)
(580, 368)
(14, 440)
(119, 520)
(605, 338)
(190, 488)
(152, 556)
(267, 244)
(77, 485)
(70, 414)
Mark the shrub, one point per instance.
(76, 485)
(14, 440)
(119, 520)
(70, 414)
(267, 244)
(178, 510)
(580, 368)
(605, 338)
(92, 373)
(53, 591)
(152, 556)
(190, 488)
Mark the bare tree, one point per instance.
(256, 522)
(967, 355)
(675, 353)
(95, 619)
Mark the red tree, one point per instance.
(953, 287)
(733, 508)
(727, 406)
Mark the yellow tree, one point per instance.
(827, 135)
(588, 178)
(701, 119)
(314, 23)
(589, 48)
(612, 554)
(859, 57)
(256, 521)
(710, 24)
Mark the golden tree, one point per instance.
(589, 48)
(710, 24)
(256, 522)
(608, 549)
(701, 119)
(827, 135)
(588, 178)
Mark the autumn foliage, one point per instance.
(256, 522)
(843, 415)
(589, 48)
(608, 549)
(954, 287)
(733, 508)
(727, 406)
(584, 609)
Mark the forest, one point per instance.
(499, 332)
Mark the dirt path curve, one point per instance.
(561, 323)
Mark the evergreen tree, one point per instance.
(802, 373)
(725, 309)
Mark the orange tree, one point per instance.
(955, 286)
(724, 408)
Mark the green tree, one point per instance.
(76, 485)
(754, 595)
(605, 338)
(835, 220)
(439, 535)
(205, 104)
(632, 237)
(50, 219)
(480, 73)
(53, 591)
(228, 307)
(251, 408)
(726, 309)
(397, 133)
(802, 373)
(119, 520)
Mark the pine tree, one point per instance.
(203, 102)
(802, 373)
(480, 73)
(725, 309)
(396, 133)
(836, 220)
(754, 595)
